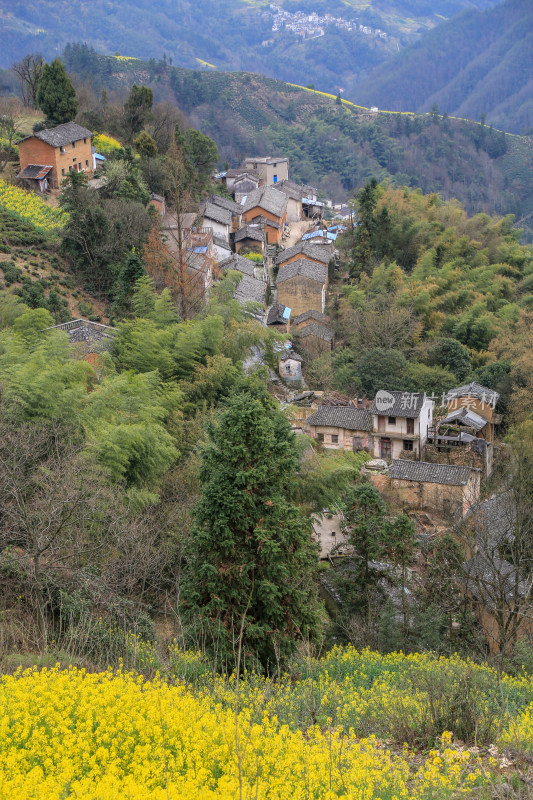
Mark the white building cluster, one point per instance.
(312, 25)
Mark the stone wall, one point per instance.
(300, 294)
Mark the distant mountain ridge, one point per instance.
(228, 34)
(478, 63)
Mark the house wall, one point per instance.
(345, 437)
(442, 498)
(273, 234)
(242, 188)
(221, 253)
(301, 294)
(270, 173)
(294, 210)
(315, 344)
(35, 151)
(290, 370)
(218, 228)
(478, 406)
(252, 245)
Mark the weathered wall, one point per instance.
(35, 151)
(345, 437)
(301, 294)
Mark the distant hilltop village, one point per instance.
(312, 25)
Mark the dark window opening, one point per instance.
(407, 444)
(334, 438)
(320, 437)
(392, 420)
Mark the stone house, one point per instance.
(341, 427)
(271, 170)
(290, 366)
(444, 488)
(230, 205)
(252, 286)
(307, 250)
(55, 151)
(302, 285)
(316, 338)
(267, 207)
(279, 317)
(400, 424)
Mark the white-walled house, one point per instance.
(400, 424)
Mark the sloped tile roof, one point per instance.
(225, 202)
(425, 472)
(250, 290)
(348, 417)
(312, 251)
(305, 268)
(312, 314)
(63, 134)
(249, 232)
(240, 264)
(474, 390)
(217, 213)
(467, 417)
(267, 198)
(317, 329)
(403, 404)
(278, 313)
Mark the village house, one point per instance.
(271, 170)
(341, 427)
(219, 219)
(447, 489)
(313, 332)
(230, 205)
(47, 156)
(307, 250)
(252, 285)
(222, 248)
(294, 199)
(241, 181)
(473, 405)
(266, 206)
(158, 202)
(251, 239)
(279, 317)
(302, 285)
(400, 424)
(290, 367)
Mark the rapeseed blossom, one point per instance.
(31, 208)
(105, 143)
(71, 734)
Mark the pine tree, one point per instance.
(56, 95)
(251, 578)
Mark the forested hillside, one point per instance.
(332, 145)
(227, 34)
(477, 64)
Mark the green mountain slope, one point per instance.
(228, 34)
(477, 63)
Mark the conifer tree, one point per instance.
(251, 576)
(56, 95)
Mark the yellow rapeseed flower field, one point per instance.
(114, 736)
(31, 208)
(105, 143)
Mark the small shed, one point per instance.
(290, 366)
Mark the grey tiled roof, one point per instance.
(290, 355)
(221, 242)
(217, 213)
(316, 315)
(290, 189)
(63, 134)
(467, 417)
(312, 251)
(305, 268)
(250, 290)
(406, 405)
(425, 472)
(275, 314)
(225, 202)
(474, 390)
(250, 232)
(317, 329)
(268, 198)
(238, 172)
(240, 264)
(348, 417)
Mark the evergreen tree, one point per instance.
(250, 585)
(362, 253)
(56, 95)
(137, 109)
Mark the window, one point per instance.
(73, 144)
(407, 444)
(410, 426)
(334, 438)
(86, 162)
(62, 171)
(79, 167)
(392, 420)
(320, 437)
(61, 149)
(84, 141)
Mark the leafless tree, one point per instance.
(165, 118)
(11, 114)
(29, 70)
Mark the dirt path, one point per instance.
(297, 231)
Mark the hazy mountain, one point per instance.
(231, 34)
(479, 62)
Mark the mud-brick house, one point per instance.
(250, 239)
(268, 207)
(302, 286)
(294, 199)
(219, 219)
(279, 317)
(341, 427)
(47, 156)
(234, 208)
(321, 255)
(447, 489)
(474, 403)
(313, 331)
(400, 424)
